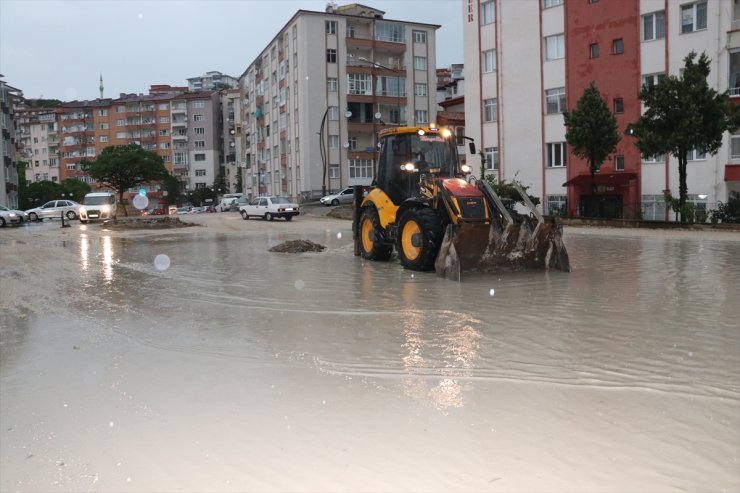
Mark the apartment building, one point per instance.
(526, 62)
(315, 98)
(8, 174)
(38, 143)
(231, 144)
(82, 125)
(196, 138)
(212, 81)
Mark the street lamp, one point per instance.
(398, 83)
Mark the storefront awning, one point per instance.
(732, 172)
(607, 179)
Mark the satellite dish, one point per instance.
(347, 114)
(378, 115)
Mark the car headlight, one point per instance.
(13, 214)
(105, 209)
(83, 210)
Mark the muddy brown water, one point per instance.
(199, 361)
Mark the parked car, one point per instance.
(341, 197)
(269, 208)
(183, 210)
(230, 202)
(10, 216)
(54, 209)
(209, 208)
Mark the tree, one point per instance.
(174, 189)
(220, 182)
(506, 190)
(591, 130)
(125, 166)
(75, 189)
(38, 193)
(683, 114)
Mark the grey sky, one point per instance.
(57, 49)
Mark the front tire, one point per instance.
(245, 216)
(2, 222)
(71, 215)
(335, 202)
(372, 246)
(33, 217)
(420, 234)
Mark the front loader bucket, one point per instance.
(505, 245)
(481, 248)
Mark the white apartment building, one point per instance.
(527, 61)
(231, 151)
(315, 98)
(210, 81)
(38, 143)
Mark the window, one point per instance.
(331, 27)
(546, 4)
(200, 185)
(103, 112)
(164, 106)
(420, 36)
(489, 61)
(555, 100)
(697, 155)
(490, 110)
(421, 116)
(420, 89)
(617, 46)
(103, 126)
(557, 205)
(420, 63)
(120, 135)
(331, 55)
(491, 158)
(555, 47)
(361, 168)
(164, 145)
(103, 138)
(199, 130)
(200, 143)
(390, 31)
(653, 26)
(619, 163)
(658, 158)
(333, 113)
(120, 109)
(334, 171)
(556, 155)
(333, 142)
(352, 141)
(735, 146)
(120, 123)
(593, 50)
(200, 172)
(200, 157)
(199, 104)
(693, 17)
(618, 105)
(652, 79)
(653, 208)
(163, 132)
(331, 84)
(361, 84)
(198, 117)
(486, 13)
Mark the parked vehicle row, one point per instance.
(10, 216)
(54, 209)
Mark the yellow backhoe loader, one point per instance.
(421, 204)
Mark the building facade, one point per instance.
(38, 143)
(317, 95)
(211, 81)
(518, 84)
(8, 147)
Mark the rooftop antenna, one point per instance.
(101, 85)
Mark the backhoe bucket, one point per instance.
(505, 245)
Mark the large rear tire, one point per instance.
(420, 234)
(372, 246)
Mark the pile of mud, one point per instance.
(164, 222)
(297, 246)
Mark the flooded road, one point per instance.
(198, 361)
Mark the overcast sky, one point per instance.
(57, 49)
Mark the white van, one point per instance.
(229, 202)
(98, 205)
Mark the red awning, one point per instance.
(732, 172)
(608, 179)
